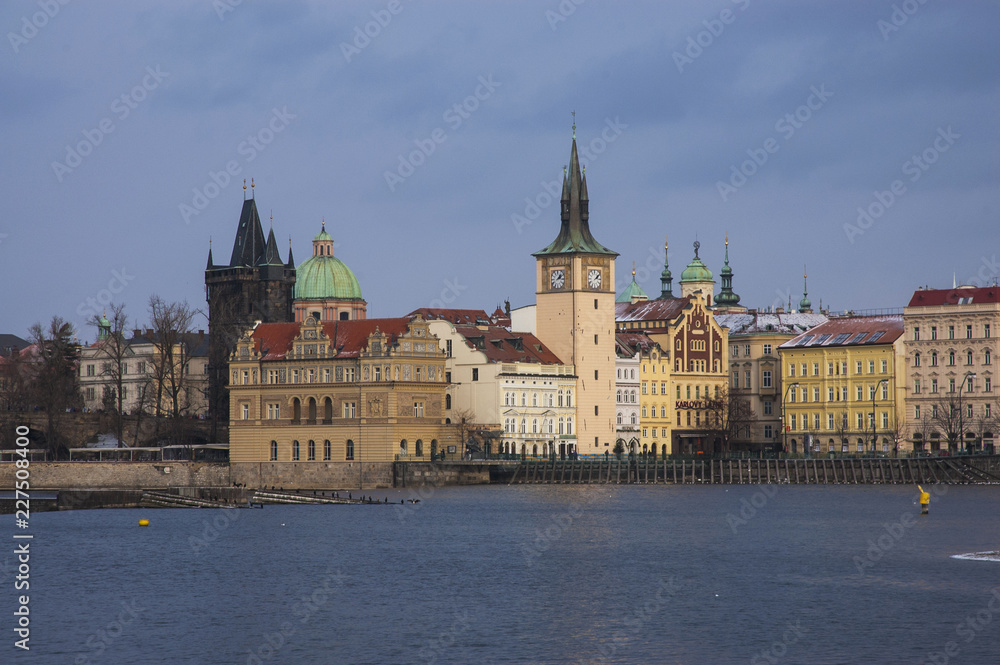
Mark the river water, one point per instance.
(524, 574)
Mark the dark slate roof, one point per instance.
(11, 342)
(271, 255)
(650, 310)
(574, 231)
(474, 317)
(349, 338)
(958, 296)
(628, 344)
(249, 247)
(772, 323)
(499, 345)
(850, 331)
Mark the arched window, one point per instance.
(326, 450)
(311, 451)
(618, 396)
(402, 448)
(524, 425)
(934, 359)
(562, 425)
(968, 357)
(274, 451)
(569, 425)
(663, 410)
(524, 399)
(296, 410)
(447, 401)
(349, 450)
(633, 419)
(619, 417)
(560, 397)
(916, 360)
(951, 357)
(534, 425)
(419, 450)
(534, 399)
(312, 410)
(327, 411)
(986, 357)
(644, 414)
(550, 426)
(295, 451)
(534, 450)
(569, 398)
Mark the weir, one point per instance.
(980, 470)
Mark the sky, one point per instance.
(856, 138)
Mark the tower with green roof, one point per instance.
(325, 287)
(697, 277)
(727, 300)
(633, 292)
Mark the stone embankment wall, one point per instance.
(313, 475)
(119, 475)
(434, 474)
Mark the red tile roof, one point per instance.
(502, 346)
(274, 340)
(939, 297)
(650, 310)
(850, 331)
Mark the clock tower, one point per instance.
(575, 312)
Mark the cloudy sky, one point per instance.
(860, 138)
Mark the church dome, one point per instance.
(696, 271)
(325, 277)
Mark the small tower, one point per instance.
(666, 280)
(103, 328)
(325, 288)
(633, 292)
(805, 305)
(697, 277)
(727, 300)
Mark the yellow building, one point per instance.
(656, 405)
(696, 369)
(575, 316)
(835, 376)
(370, 390)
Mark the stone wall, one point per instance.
(119, 475)
(313, 475)
(435, 474)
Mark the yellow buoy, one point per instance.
(925, 500)
(143, 522)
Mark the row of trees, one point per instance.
(46, 379)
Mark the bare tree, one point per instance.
(54, 387)
(841, 429)
(948, 415)
(171, 323)
(729, 416)
(463, 423)
(15, 378)
(114, 352)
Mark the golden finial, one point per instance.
(251, 187)
(633, 271)
(727, 238)
(666, 245)
(244, 189)
(323, 223)
(272, 218)
(804, 275)
(574, 125)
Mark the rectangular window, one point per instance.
(934, 386)
(644, 432)
(861, 421)
(989, 410)
(916, 333)
(736, 350)
(475, 373)
(746, 377)
(768, 432)
(644, 388)
(857, 367)
(595, 340)
(803, 369)
(815, 421)
(746, 349)
(766, 378)
(885, 391)
(418, 409)
(815, 369)
(91, 394)
(829, 421)
(816, 394)
(885, 420)
(829, 369)
(986, 330)
(791, 394)
(860, 391)
(829, 394)
(350, 409)
(968, 331)
(933, 332)
(245, 411)
(791, 369)
(885, 366)
(792, 422)
(843, 394)
(951, 332)
(653, 387)
(916, 412)
(767, 349)
(987, 384)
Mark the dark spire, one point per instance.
(666, 280)
(248, 249)
(291, 261)
(271, 255)
(726, 297)
(574, 231)
(211, 264)
(805, 306)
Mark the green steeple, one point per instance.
(666, 279)
(726, 297)
(805, 305)
(574, 232)
(632, 291)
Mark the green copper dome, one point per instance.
(696, 271)
(326, 278)
(633, 290)
(323, 276)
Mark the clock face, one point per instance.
(594, 279)
(557, 279)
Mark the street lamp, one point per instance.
(874, 394)
(784, 427)
(961, 414)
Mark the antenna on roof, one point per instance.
(574, 125)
